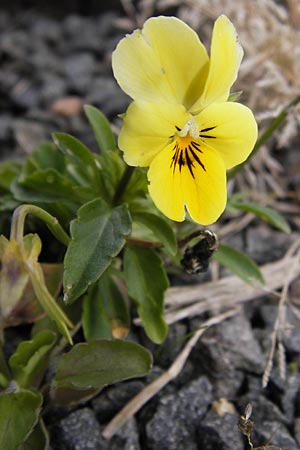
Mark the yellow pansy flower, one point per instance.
(180, 123)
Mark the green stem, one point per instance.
(18, 220)
(276, 122)
(123, 183)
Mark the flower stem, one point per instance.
(123, 183)
(18, 220)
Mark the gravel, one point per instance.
(45, 59)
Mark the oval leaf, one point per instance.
(161, 229)
(265, 213)
(105, 311)
(240, 264)
(98, 235)
(98, 363)
(69, 145)
(146, 282)
(19, 414)
(101, 127)
(38, 439)
(29, 360)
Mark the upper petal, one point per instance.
(232, 131)
(147, 129)
(163, 61)
(200, 188)
(225, 57)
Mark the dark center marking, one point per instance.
(205, 130)
(187, 156)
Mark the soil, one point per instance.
(54, 59)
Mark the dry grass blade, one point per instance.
(276, 337)
(150, 391)
(190, 301)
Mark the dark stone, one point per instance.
(274, 433)
(5, 127)
(112, 399)
(226, 350)
(26, 94)
(127, 438)
(219, 432)
(175, 422)
(78, 431)
(290, 395)
(30, 134)
(291, 335)
(79, 68)
(263, 244)
(297, 430)
(105, 93)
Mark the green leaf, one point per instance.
(161, 229)
(69, 397)
(146, 282)
(112, 170)
(240, 264)
(9, 170)
(98, 363)
(265, 213)
(233, 97)
(38, 439)
(49, 185)
(98, 235)
(19, 414)
(95, 322)
(105, 311)
(101, 127)
(29, 361)
(71, 146)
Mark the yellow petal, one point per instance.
(202, 192)
(225, 57)
(165, 61)
(147, 129)
(165, 187)
(205, 195)
(234, 131)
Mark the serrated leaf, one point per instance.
(265, 213)
(105, 311)
(98, 363)
(19, 414)
(240, 264)
(98, 235)
(30, 359)
(146, 283)
(101, 127)
(162, 231)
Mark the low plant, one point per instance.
(83, 244)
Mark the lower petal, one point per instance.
(202, 190)
(165, 186)
(205, 195)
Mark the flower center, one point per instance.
(186, 153)
(190, 128)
